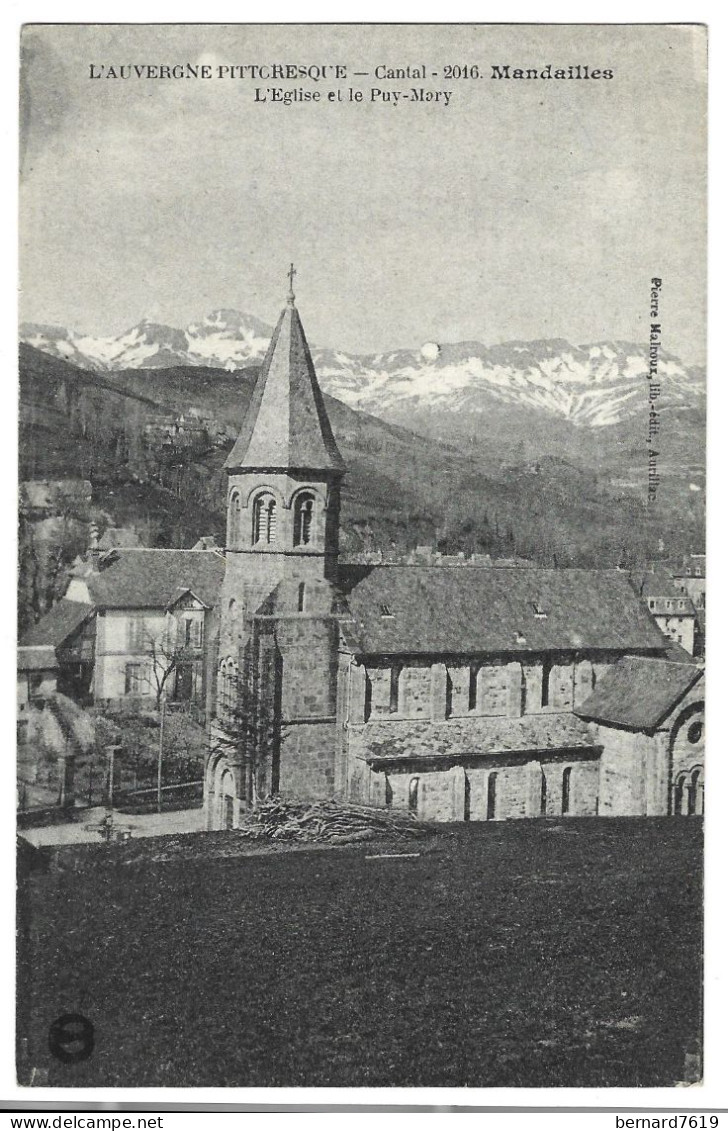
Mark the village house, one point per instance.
(690, 579)
(454, 693)
(139, 626)
(667, 596)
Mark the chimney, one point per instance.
(93, 547)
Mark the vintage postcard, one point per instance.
(361, 605)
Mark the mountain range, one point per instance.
(596, 386)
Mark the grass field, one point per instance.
(519, 954)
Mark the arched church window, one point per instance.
(679, 796)
(695, 732)
(413, 794)
(222, 688)
(303, 520)
(234, 520)
(264, 520)
(566, 791)
(492, 797)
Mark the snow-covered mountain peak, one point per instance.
(593, 384)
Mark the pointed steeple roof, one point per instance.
(286, 425)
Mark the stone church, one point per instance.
(459, 693)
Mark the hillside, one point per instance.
(401, 488)
(507, 405)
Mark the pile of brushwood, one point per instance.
(332, 822)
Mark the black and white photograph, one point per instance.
(361, 556)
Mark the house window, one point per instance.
(35, 681)
(133, 679)
(367, 697)
(189, 633)
(234, 520)
(544, 794)
(545, 681)
(301, 596)
(566, 791)
(524, 690)
(137, 634)
(303, 520)
(264, 520)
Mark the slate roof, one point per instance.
(57, 625)
(668, 606)
(286, 425)
(472, 610)
(36, 658)
(385, 741)
(639, 692)
(676, 652)
(147, 579)
(655, 582)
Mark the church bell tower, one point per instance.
(278, 642)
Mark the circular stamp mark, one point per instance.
(71, 1038)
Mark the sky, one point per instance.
(522, 210)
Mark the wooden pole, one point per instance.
(161, 754)
(112, 751)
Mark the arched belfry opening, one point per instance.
(265, 520)
(303, 519)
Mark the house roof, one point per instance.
(147, 579)
(386, 741)
(57, 625)
(36, 658)
(639, 692)
(426, 609)
(676, 652)
(670, 606)
(286, 424)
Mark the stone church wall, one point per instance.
(308, 660)
(627, 759)
(458, 793)
(502, 688)
(687, 754)
(307, 760)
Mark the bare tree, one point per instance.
(166, 653)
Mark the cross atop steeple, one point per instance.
(291, 297)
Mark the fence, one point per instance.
(186, 795)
